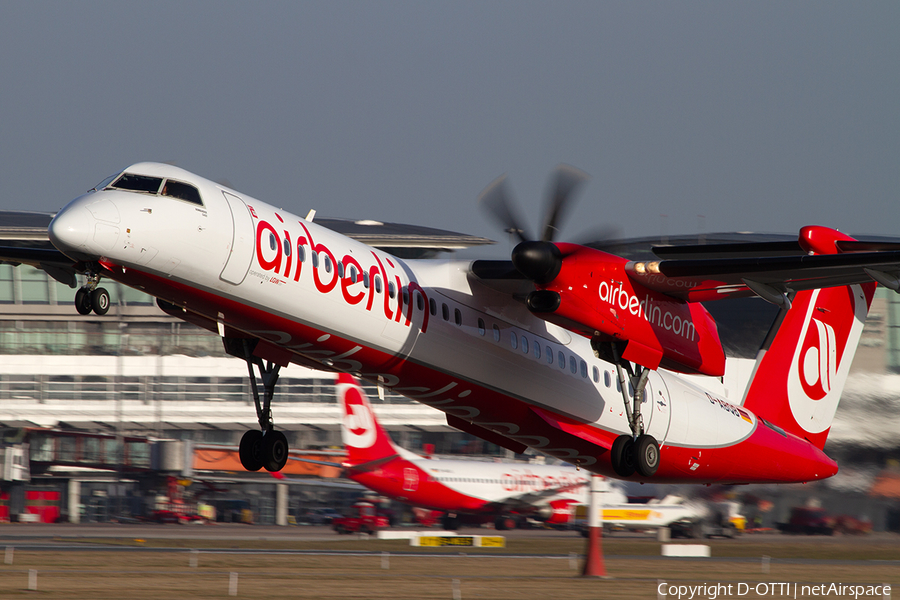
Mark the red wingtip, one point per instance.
(821, 240)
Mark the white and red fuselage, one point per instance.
(485, 490)
(433, 332)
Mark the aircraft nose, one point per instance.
(70, 228)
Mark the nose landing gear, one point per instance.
(90, 297)
(265, 447)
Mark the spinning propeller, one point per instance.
(538, 260)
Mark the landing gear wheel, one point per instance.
(251, 450)
(622, 456)
(100, 301)
(274, 450)
(646, 455)
(83, 301)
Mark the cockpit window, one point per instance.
(102, 185)
(182, 191)
(138, 183)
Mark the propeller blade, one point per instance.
(567, 179)
(497, 201)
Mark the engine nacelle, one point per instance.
(556, 512)
(592, 294)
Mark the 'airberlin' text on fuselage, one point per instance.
(617, 296)
(279, 253)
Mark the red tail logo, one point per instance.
(828, 338)
(359, 424)
(819, 355)
(363, 436)
(809, 360)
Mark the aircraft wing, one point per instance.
(737, 275)
(59, 266)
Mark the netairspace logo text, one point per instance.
(712, 591)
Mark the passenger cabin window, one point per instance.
(182, 191)
(481, 326)
(138, 183)
(457, 316)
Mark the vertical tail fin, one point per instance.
(799, 378)
(363, 437)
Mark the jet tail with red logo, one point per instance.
(803, 366)
(366, 442)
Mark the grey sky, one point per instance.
(759, 116)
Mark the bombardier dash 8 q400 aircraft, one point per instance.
(577, 353)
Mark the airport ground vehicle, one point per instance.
(808, 520)
(365, 519)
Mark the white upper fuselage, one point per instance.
(428, 329)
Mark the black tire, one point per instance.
(274, 450)
(251, 450)
(622, 456)
(100, 301)
(646, 455)
(83, 301)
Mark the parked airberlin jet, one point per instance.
(577, 353)
(468, 492)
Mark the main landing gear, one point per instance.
(266, 447)
(90, 297)
(638, 452)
